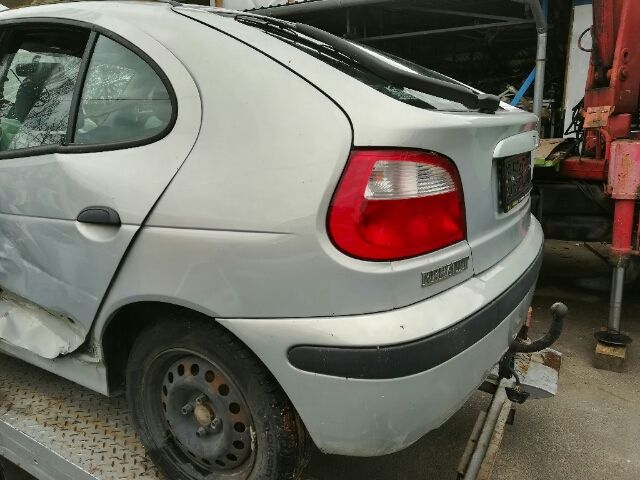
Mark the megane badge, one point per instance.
(444, 272)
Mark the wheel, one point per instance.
(207, 409)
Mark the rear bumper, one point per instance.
(373, 384)
(397, 361)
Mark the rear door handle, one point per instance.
(98, 215)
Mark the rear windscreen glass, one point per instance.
(353, 69)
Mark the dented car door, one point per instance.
(91, 136)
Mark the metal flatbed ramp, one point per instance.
(57, 430)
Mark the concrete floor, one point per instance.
(590, 431)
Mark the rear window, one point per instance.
(353, 69)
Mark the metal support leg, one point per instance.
(538, 89)
(620, 252)
(623, 183)
(610, 351)
(540, 15)
(612, 336)
(615, 304)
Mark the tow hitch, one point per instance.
(529, 369)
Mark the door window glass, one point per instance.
(123, 100)
(39, 69)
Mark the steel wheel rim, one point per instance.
(206, 414)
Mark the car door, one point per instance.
(92, 132)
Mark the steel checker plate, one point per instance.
(57, 430)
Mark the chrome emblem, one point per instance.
(444, 272)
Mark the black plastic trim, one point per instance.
(77, 91)
(90, 148)
(99, 215)
(402, 360)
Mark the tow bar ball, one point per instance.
(506, 367)
(558, 311)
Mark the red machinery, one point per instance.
(610, 151)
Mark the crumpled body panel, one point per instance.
(27, 326)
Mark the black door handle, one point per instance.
(99, 216)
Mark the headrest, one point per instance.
(35, 68)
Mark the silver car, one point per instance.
(264, 234)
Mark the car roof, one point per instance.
(73, 9)
(124, 17)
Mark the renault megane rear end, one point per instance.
(340, 245)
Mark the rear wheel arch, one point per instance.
(122, 327)
(119, 333)
(126, 349)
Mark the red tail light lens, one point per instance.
(395, 204)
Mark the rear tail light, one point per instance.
(395, 204)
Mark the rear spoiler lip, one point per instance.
(485, 103)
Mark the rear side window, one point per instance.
(123, 98)
(39, 68)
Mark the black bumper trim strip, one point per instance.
(402, 360)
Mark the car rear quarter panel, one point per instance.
(470, 139)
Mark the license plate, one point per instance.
(515, 179)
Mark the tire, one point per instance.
(207, 409)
